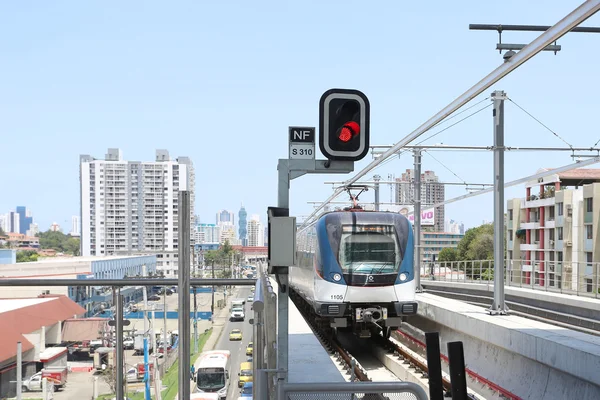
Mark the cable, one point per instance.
(460, 112)
(541, 123)
(445, 166)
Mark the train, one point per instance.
(355, 271)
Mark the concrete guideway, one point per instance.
(528, 358)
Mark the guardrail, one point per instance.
(566, 277)
(354, 390)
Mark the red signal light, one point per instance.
(348, 131)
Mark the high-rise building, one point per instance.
(225, 217)
(207, 233)
(25, 219)
(15, 222)
(130, 207)
(228, 235)
(75, 226)
(455, 227)
(256, 233)
(33, 230)
(432, 192)
(5, 222)
(243, 228)
(55, 227)
(551, 238)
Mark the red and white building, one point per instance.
(552, 233)
(37, 324)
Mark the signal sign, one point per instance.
(302, 143)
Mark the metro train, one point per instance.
(355, 270)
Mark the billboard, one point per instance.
(427, 214)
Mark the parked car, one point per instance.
(154, 297)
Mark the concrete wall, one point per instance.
(529, 364)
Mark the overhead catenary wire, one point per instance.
(448, 168)
(541, 123)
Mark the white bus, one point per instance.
(212, 375)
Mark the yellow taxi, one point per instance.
(245, 373)
(235, 334)
(249, 349)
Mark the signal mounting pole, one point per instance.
(343, 139)
(417, 214)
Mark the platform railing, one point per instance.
(265, 337)
(567, 277)
(351, 391)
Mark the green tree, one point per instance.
(27, 256)
(448, 254)
(60, 242)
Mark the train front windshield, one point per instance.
(369, 249)
(210, 379)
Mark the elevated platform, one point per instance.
(530, 359)
(582, 306)
(308, 360)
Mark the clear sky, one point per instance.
(221, 81)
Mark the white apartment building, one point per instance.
(225, 218)
(75, 226)
(131, 207)
(432, 192)
(552, 234)
(207, 233)
(256, 232)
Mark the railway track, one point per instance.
(568, 321)
(408, 357)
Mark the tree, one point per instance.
(448, 254)
(60, 242)
(2, 233)
(27, 256)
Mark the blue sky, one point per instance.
(221, 82)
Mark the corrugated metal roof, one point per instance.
(80, 329)
(23, 316)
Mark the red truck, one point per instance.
(141, 369)
(55, 375)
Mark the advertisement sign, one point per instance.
(427, 214)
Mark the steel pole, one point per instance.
(184, 298)
(195, 323)
(376, 180)
(498, 306)
(165, 347)
(212, 307)
(19, 370)
(417, 225)
(283, 201)
(120, 364)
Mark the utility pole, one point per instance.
(498, 306)
(184, 298)
(417, 214)
(376, 178)
(212, 307)
(120, 361)
(165, 324)
(195, 323)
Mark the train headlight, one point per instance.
(403, 277)
(337, 277)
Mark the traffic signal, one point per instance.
(344, 124)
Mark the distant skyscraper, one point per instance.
(256, 233)
(243, 230)
(75, 226)
(225, 217)
(207, 233)
(5, 222)
(14, 222)
(33, 230)
(55, 227)
(25, 219)
(432, 192)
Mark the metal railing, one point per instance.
(351, 391)
(566, 277)
(265, 337)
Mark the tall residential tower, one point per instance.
(131, 206)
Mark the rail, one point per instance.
(353, 390)
(565, 277)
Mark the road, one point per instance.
(237, 348)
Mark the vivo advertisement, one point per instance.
(427, 215)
